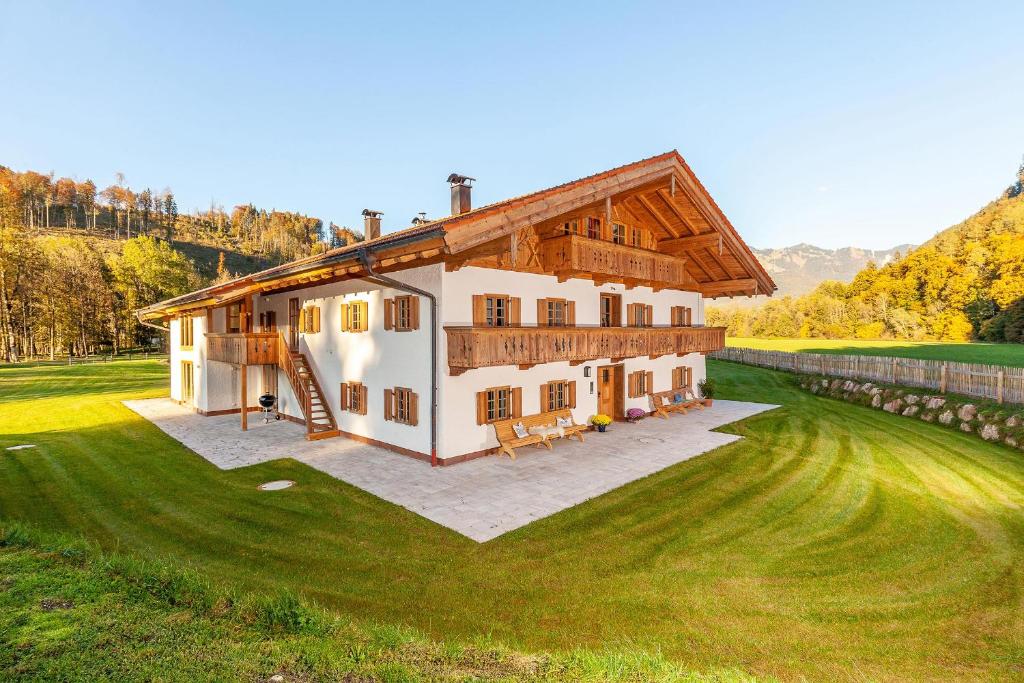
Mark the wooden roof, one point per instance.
(661, 190)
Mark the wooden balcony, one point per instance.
(575, 256)
(251, 348)
(480, 347)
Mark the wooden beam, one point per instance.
(657, 215)
(670, 203)
(725, 286)
(707, 239)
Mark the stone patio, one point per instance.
(482, 498)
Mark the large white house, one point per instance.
(587, 296)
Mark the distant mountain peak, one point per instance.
(800, 268)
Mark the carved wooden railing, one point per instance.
(299, 384)
(246, 348)
(571, 255)
(479, 347)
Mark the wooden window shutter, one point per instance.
(572, 394)
(316, 319)
(544, 407)
(344, 318)
(302, 320)
(414, 409)
(677, 377)
(389, 404)
(688, 377)
(514, 312)
(479, 309)
(414, 313)
(631, 385)
(362, 399)
(389, 314)
(542, 312)
(481, 407)
(689, 317)
(344, 396)
(570, 313)
(649, 316)
(650, 382)
(517, 402)
(631, 315)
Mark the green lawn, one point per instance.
(962, 352)
(833, 542)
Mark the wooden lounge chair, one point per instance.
(664, 402)
(509, 441)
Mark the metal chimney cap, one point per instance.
(372, 213)
(456, 179)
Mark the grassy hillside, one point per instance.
(962, 352)
(833, 542)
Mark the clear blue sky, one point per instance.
(868, 124)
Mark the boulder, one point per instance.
(1013, 421)
(911, 399)
(1010, 441)
(876, 401)
(911, 411)
(935, 402)
(965, 427)
(893, 406)
(990, 432)
(875, 391)
(928, 416)
(946, 417)
(967, 412)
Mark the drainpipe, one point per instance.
(391, 282)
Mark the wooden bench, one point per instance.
(509, 441)
(664, 403)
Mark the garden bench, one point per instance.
(506, 433)
(664, 402)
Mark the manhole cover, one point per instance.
(276, 485)
(18, 448)
(648, 440)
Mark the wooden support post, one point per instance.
(942, 380)
(245, 408)
(999, 387)
(672, 190)
(607, 217)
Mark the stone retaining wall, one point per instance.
(990, 422)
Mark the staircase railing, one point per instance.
(299, 384)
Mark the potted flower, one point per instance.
(634, 415)
(707, 390)
(601, 422)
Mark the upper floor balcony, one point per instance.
(574, 256)
(479, 347)
(243, 348)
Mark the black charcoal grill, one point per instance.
(267, 403)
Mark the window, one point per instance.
(557, 394)
(402, 313)
(570, 227)
(611, 310)
(187, 379)
(682, 377)
(636, 237)
(268, 321)
(353, 397)
(187, 331)
(234, 318)
(682, 316)
(354, 316)
(593, 228)
(401, 405)
(496, 310)
(640, 315)
(498, 403)
(618, 233)
(309, 320)
(640, 383)
(556, 312)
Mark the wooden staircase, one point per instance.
(320, 422)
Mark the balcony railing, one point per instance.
(573, 255)
(480, 347)
(249, 348)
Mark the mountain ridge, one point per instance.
(799, 268)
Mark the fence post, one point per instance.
(942, 380)
(894, 371)
(999, 387)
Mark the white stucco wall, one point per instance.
(459, 432)
(178, 354)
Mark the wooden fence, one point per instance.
(996, 382)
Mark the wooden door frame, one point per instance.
(617, 307)
(293, 324)
(191, 383)
(618, 411)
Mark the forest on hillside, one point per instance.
(77, 261)
(965, 283)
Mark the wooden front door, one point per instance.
(293, 324)
(187, 382)
(610, 399)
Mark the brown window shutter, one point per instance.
(688, 377)
(542, 312)
(689, 316)
(414, 312)
(389, 314)
(414, 409)
(634, 384)
(344, 317)
(572, 394)
(362, 399)
(316, 318)
(517, 402)
(570, 313)
(344, 396)
(481, 407)
(388, 404)
(514, 312)
(650, 382)
(479, 309)
(649, 317)
(302, 320)
(677, 377)
(631, 315)
(364, 323)
(543, 398)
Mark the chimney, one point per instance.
(461, 186)
(371, 224)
